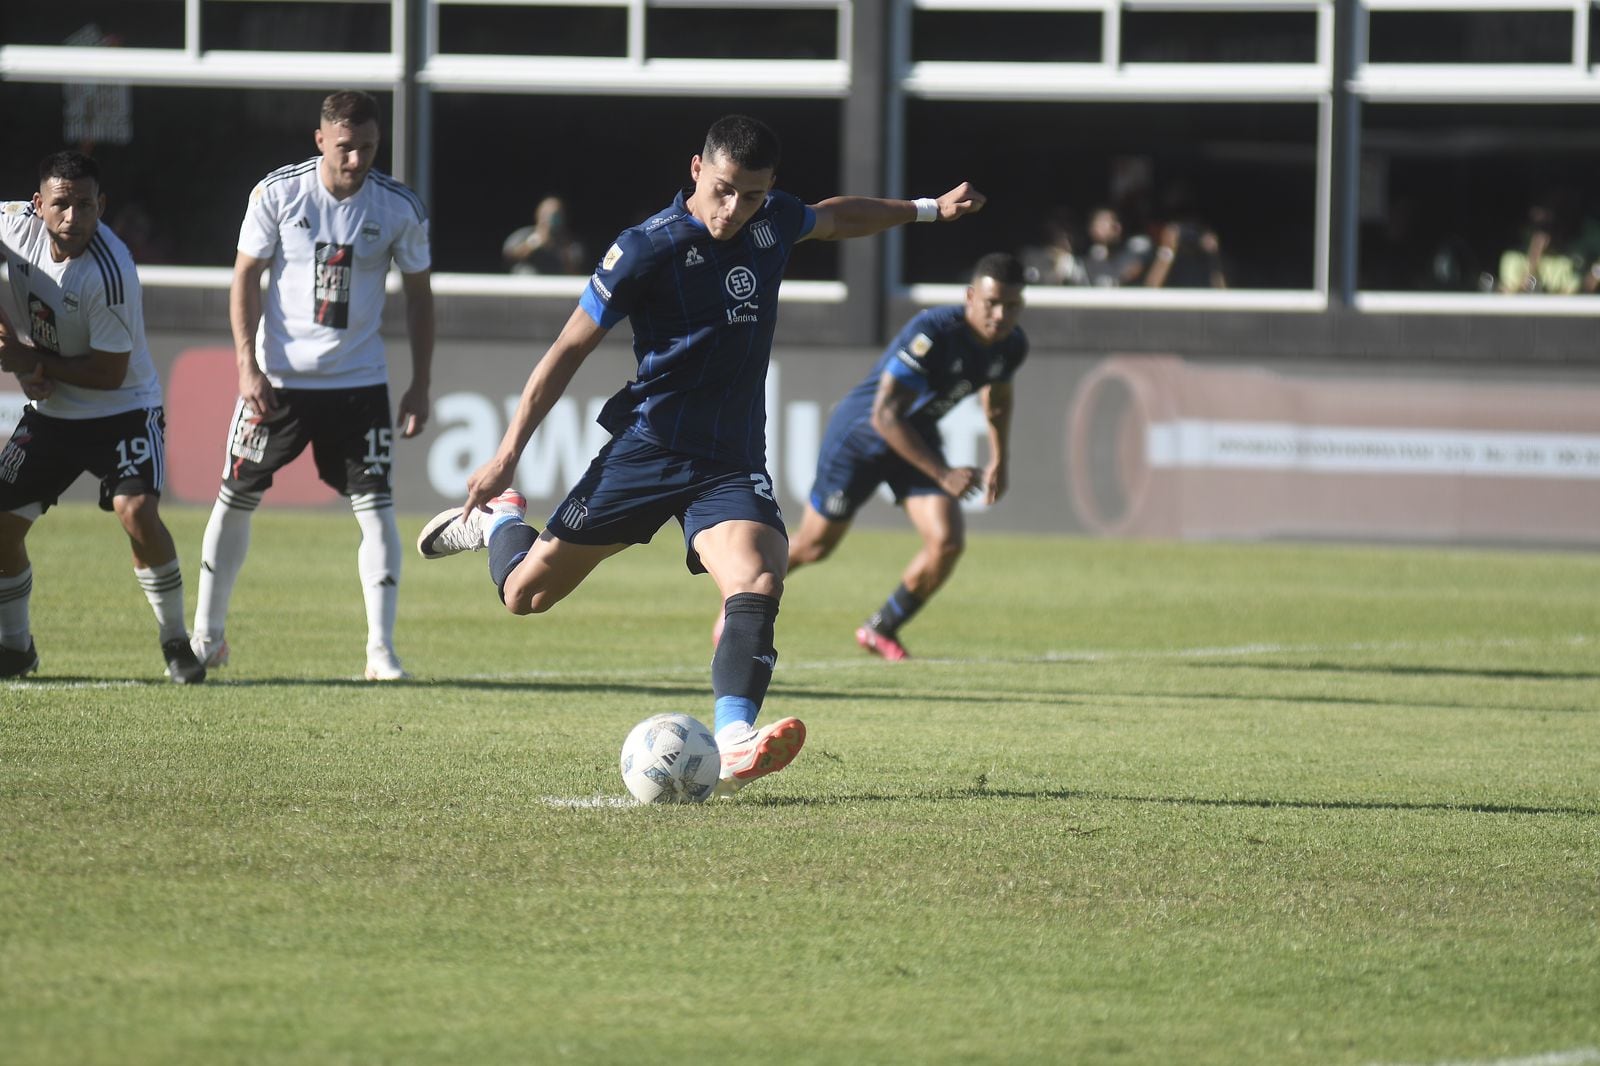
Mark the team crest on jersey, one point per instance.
(762, 234)
(574, 513)
(613, 254)
(921, 345)
(69, 302)
(371, 231)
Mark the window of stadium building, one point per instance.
(188, 191)
(1224, 193)
(1476, 198)
(612, 160)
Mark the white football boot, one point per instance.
(763, 751)
(453, 532)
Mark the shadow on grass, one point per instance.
(1399, 670)
(970, 794)
(1099, 700)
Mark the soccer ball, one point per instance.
(670, 758)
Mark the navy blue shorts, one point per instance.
(633, 487)
(848, 475)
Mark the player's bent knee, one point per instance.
(814, 552)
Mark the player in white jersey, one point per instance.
(96, 401)
(311, 361)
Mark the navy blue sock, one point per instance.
(742, 665)
(509, 543)
(901, 605)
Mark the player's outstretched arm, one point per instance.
(843, 217)
(550, 378)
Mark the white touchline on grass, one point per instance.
(1581, 1056)
(588, 802)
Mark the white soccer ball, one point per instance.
(670, 758)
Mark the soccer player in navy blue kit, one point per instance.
(698, 282)
(886, 431)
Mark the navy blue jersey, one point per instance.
(939, 357)
(703, 313)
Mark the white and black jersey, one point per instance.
(329, 258)
(90, 302)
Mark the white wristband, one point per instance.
(927, 209)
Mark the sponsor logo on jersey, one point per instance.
(331, 281)
(42, 325)
(997, 368)
(600, 287)
(22, 266)
(955, 366)
(748, 311)
(249, 442)
(762, 234)
(613, 254)
(11, 458)
(740, 283)
(371, 231)
(658, 222)
(17, 207)
(694, 258)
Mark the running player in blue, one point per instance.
(886, 431)
(698, 283)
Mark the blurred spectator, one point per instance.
(1110, 260)
(1055, 262)
(1555, 255)
(138, 231)
(547, 246)
(1189, 256)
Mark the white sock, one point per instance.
(163, 587)
(222, 555)
(734, 733)
(14, 595)
(378, 564)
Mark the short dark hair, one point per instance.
(743, 140)
(350, 107)
(1002, 267)
(68, 166)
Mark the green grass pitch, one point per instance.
(1131, 803)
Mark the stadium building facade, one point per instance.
(1370, 169)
